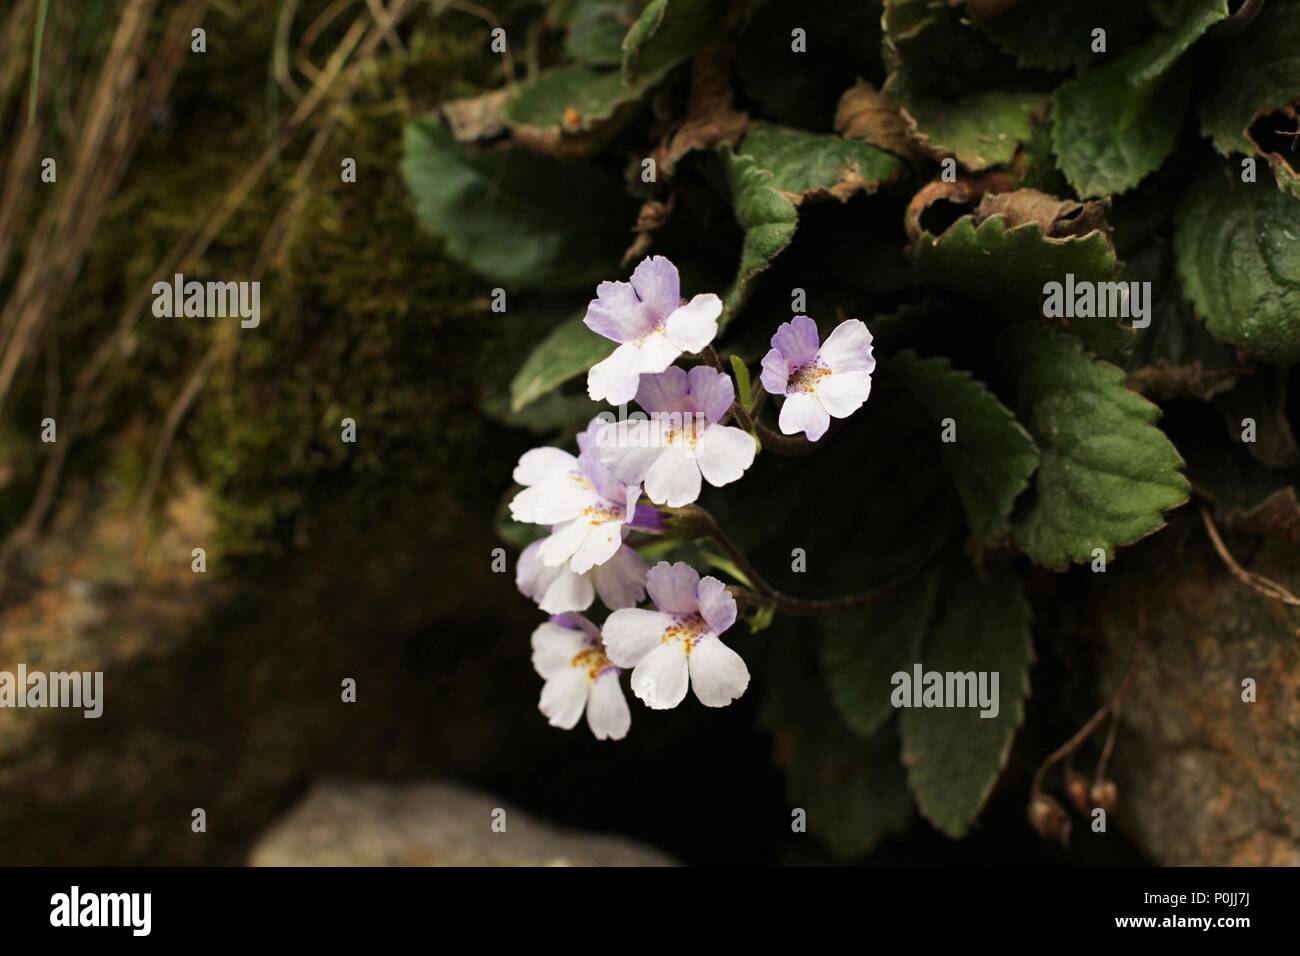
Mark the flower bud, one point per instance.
(1049, 819)
(1105, 794)
(1076, 787)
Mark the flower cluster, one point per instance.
(591, 503)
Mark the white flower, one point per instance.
(819, 382)
(588, 509)
(678, 645)
(682, 441)
(647, 317)
(569, 656)
(620, 581)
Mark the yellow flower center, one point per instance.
(806, 378)
(689, 630)
(592, 660)
(600, 514)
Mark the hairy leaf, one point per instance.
(953, 755)
(992, 458)
(495, 218)
(861, 650)
(566, 353)
(1108, 473)
(1005, 269)
(1239, 259)
(765, 215)
(1108, 133)
(812, 166)
(666, 33)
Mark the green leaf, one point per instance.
(1052, 35)
(981, 130)
(569, 351)
(962, 96)
(953, 755)
(1005, 269)
(1186, 22)
(1239, 259)
(1108, 473)
(1260, 73)
(515, 217)
(854, 791)
(992, 458)
(767, 218)
(1109, 134)
(597, 28)
(668, 32)
(1174, 357)
(552, 100)
(816, 166)
(861, 650)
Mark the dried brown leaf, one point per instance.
(867, 114)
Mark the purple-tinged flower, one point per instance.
(819, 382)
(569, 656)
(682, 439)
(620, 581)
(589, 511)
(652, 325)
(678, 645)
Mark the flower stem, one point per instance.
(764, 595)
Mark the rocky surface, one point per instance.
(1206, 778)
(342, 823)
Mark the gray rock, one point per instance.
(345, 823)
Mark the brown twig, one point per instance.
(1256, 582)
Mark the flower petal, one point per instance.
(724, 453)
(848, 348)
(632, 633)
(554, 648)
(614, 379)
(561, 591)
(554, 500)
(693, 326)
(674, 478)
(629, 448)
(674, 587)
(563, 697)
(718, 674)
(803, 413)
(620, 581)
(657, 353)
(660, 287)
(665, 392)
(711, 392)
(601, 543)
(843, 392)
(607, 713)
(541, 464)
(776, 373)
(617, 313)
(564, 541)
(796, 340)
(717, 606)
(661, 679)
